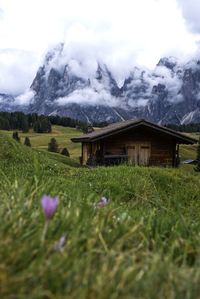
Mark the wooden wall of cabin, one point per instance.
(89, 151)
(85, 152)
(162, 148)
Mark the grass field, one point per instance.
(62, 135)
(189, 151)
(144, 244)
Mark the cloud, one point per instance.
(88, 96)
(138, 103)
(16, 70)
(190, 10)
(173, 83)
(122, 34)
(25, 98)
(81, 57)
(1, 13)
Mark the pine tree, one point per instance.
(37, 127)
(24, 125)
(65, 152)
(45, 125)
(42, 125)
(53, 145)
(197, 168)
(16, 136)
(27, 141)
(4, 123)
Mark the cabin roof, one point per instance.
(123, 126)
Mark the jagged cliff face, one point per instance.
(7, 103)
(61, 90)
(169, 94)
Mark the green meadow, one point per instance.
(145, 243)
(62, 135)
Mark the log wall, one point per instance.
(162, 148)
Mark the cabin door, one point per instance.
(144, 154)
(132, 154)
(139, 153)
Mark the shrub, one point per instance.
(27, 142)
(16, 136)
(65, 152)
(53, 145)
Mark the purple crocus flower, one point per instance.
(102, 203)
(49, 206)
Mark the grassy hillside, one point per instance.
(144, 244)
(19, 160)
(189, 151)
(63, 136)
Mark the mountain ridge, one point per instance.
(75, 88)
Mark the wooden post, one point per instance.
(85, 153)
(81, 154)
(177, 156)
(174, 156)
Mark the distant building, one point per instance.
(136, 142)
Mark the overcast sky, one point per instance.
(123, 33)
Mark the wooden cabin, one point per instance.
(137, 142)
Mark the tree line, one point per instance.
(23, 122)
(189, 128)
(42, 123)
(39, 123)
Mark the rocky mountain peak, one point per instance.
(54, 53)
(89, 92)
(168, 62)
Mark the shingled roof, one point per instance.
(120, 127)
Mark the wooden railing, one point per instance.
(114, 159)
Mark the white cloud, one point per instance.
(16, 70)
(25, 98)
(88, 96)
(190, 10)
(1, 13)
(120, 33)
(138, 103)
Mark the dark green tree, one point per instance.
(42, 125)
(45, 125)
(197, 168)
(37, 126)
(16, 136)
(24, 125)
(53, 145)
(65, 152)
(27, 141)
(4, 123)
